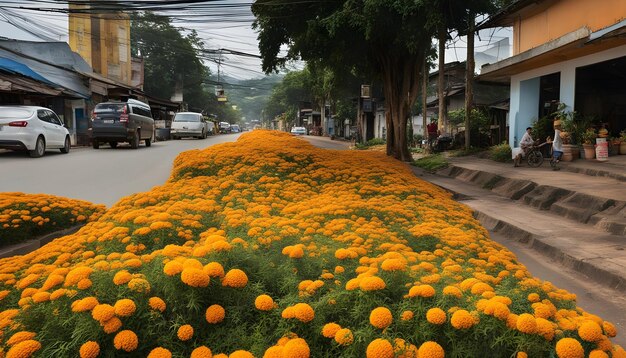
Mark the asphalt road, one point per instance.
(100, 176)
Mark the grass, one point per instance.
(432, 163)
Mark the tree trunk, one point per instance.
(424, 97)
(442, 124)
(469, 79)
(401, 86)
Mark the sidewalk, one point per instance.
(574, 219)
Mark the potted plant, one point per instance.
(588, 138)
(614, 147)
(622, 145)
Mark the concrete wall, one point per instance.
(563, 17)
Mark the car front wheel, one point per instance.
(66, 146)
(134, 141)
(40, 148)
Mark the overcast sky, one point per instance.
(228, 28)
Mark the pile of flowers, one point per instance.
(25, 216)
(268, 247)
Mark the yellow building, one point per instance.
(103, 40)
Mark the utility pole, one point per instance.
(469, 78)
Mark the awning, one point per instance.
(10, 66)
(16, 83)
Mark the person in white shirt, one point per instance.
(526, 143)
(557, 147)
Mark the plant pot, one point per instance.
(590, 151)
(570, 152)
(614, 148)
(622, 148)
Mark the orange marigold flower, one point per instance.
(303, 312)
(235, 278)
(545, 328)
(596, 353)
(330, 329)
(609, 329)
(461, 319)
(89, 349)
(173, 268)
(590, 331)
(274, 352)
(214, 269)
(24, 349)
(379, 348)
(526, 323)
(126, 340)
(436, 316)
(111, 326)
(422, 291)
(160, 352)
(404, 349)
(20, 337)
(452, 291)
(533, 297)
(202, 352)
(521, 355)
(569, 348)
(344, 337)
(288, 313)
(215, 314)
(139, 285)
(124, 307)
(297, 348)
(240, 354)
(185, 332)
(407, 315)
(372, 283)
(103, 312)
(157, 304)
(430, 349)
(122, 277)
(264, 303)
(381, 317)
(393, 265)
(195, 277)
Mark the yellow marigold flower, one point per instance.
(157, 304)
(430, 349)
(173, 268)
(545, 328)
(296, 348)
(596, 353)
(330, 329)
(160, 352)
(202, 352)
(590, 331)
(214, 269)
(103, 312)
(84, 284)
(235, 278)
(89, 349)
(393, 265)
(533, 297)
(111, 326)
(264, 303)
(422, 291)
(339, 269)
(480, 287)
(407, 315)
(20, 337)
(609, 329)
(379, 348)
(24, 349)
(124, 307)
(404, 349)
(381, 317)
(185, 332)
(353, 284)
(241, 354)
(344, 337)
(86, 304)
(526, 323)
(122, 277)
(452, 291)
(372, 283)
(76, 275)
(139, 285)
(41, 297)
(303, 312)
(569, 348)
(461, 319)
(215, 314)
(436, 316)
(126, 340)
(195, 277)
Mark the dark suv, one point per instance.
(115, 122)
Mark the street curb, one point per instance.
(541, 245)
(29, 246)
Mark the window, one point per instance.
(43, 115)
(54, 119)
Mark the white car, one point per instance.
(32, 128)
(190, 124)
(298, 131)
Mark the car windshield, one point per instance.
(186, 117)
(235, 126)
(109, 108)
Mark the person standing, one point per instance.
(526, 143)
(432, 132)
(557, 147)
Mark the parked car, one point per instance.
(224, 127)
(115, 122)
(298, 131)
(190, 124)
(235, 128)
(32, 128)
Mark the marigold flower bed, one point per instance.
(25, 216)
(268, 247)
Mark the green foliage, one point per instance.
(501, 153)
(589, 136)
(432, 163)
(370, 143)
